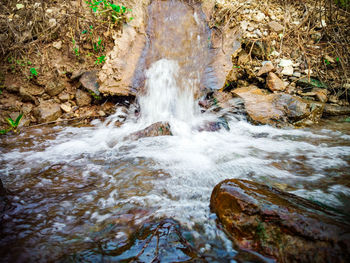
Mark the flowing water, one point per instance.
(67, 184)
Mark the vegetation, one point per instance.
(13, 124)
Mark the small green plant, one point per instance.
(115, 12)
(100, 60)
(98, 46)
(75, 48)
(33, 73)
(13, 124)
(94, 95)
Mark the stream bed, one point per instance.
(80, 193)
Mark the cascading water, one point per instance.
(68, 183)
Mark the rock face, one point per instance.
(278, 224)
(116, 76)
(156, 129)
(278, 109)
(48, 111)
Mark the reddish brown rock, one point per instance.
(274, 83)
(266, 68)
(280, 225)
(278, 109)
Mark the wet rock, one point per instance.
(89, 81)
(278, 109)
(162, 241)
(266, 68)
(274, 26)
(274, 83)
(335, 110)
(3, 197)
(280, 225)
(156, 129)
(54, 88)
(47, 111)
(83, 98)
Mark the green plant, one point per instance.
(115, 12)
(33, 73)
(98, 46)
(75, 48)
(100, 60)
(13, 124)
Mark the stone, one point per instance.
(57, 45)
(26, 96)
(101, 113)
(321, 95)
(47, 111)
(278, 109)
(275, 26)
(279, 224)
(153, 241)
(66, 107)
(156, 129)
(54, 88)
(297, 74)
(266, 68)
(274, 83)
(288, 71)
(64, 97)
(285, 63)
(335, 110)
(83, 98)
(259, 17)
(89, 81)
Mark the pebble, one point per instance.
(288, 71)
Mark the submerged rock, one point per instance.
(156, 129)
(278, 109)
(161, 241)
(278, 224)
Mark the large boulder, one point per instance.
(278, 109)
(280, 225)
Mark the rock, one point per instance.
(285, 63)
(66, 107)
(278, 109)
(321, 94)
(280, 225)
(47, 111)
(89, 81)
(3, 197)
(288, 71)
(274, 83)
(26, 96)
(159, 241)
(259, 17)
(266, 68)
(101, 113)
(54, 88)
(64, 97)
(274, 26)
(156, 129)
(222, 99)
(297, 74)
(57, 45)
(83, 98)
(52, 22)
(335, 110)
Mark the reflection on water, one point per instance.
(74, 189)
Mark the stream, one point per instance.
(69, 184)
